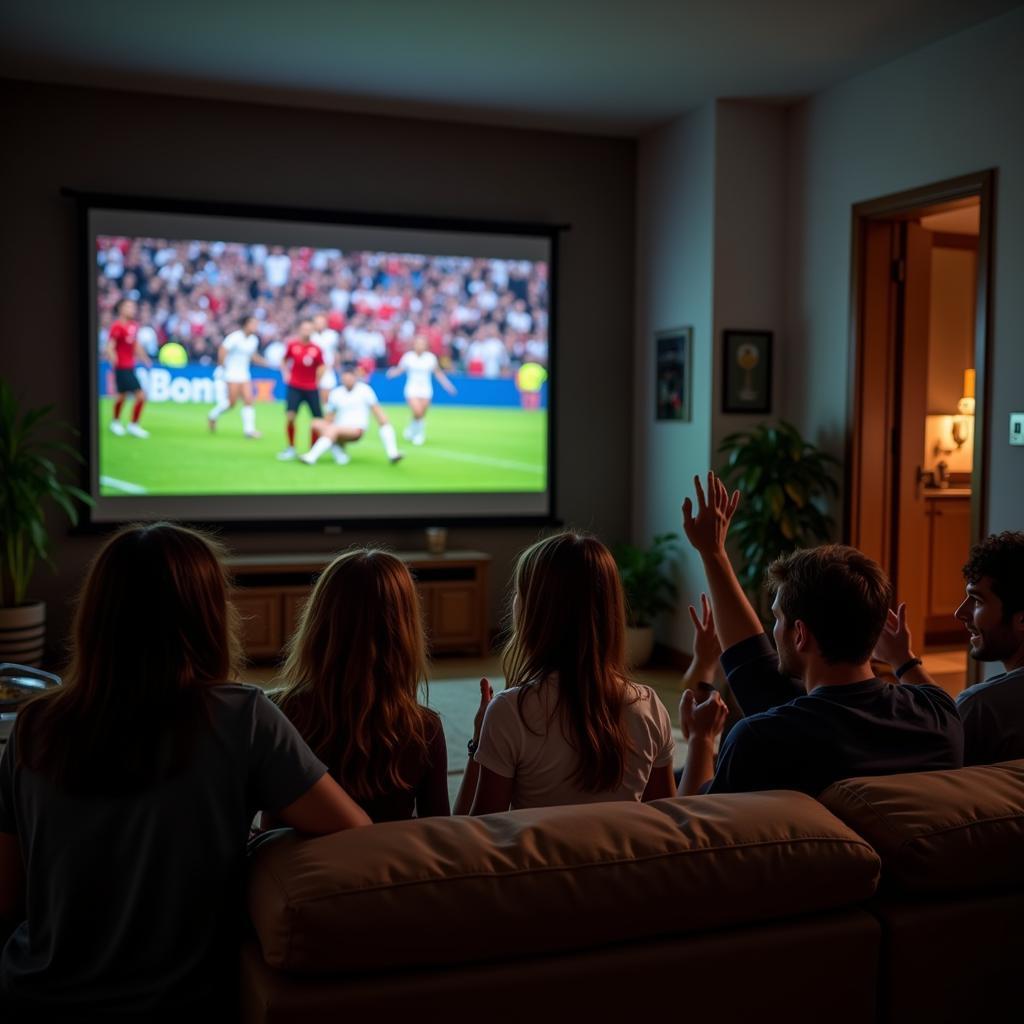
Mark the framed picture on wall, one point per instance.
(747, 371)
(673, 374)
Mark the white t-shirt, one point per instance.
(541, 761)
(352, 408)
(491, 353)
(419, 368)
(327, 341)
(239, 349)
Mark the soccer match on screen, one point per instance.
(230, 368)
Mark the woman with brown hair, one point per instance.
(126, 795)
(570, 727)
(353, 670)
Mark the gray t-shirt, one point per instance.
(993, 717)
(134, 902)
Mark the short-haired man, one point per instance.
(993, 612)
(815, 712)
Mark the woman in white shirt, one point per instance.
(420, 366)
(570, 726)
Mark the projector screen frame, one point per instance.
(86, 201)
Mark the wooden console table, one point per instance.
(271, 590)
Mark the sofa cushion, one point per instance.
(451, 890)
(953, 831)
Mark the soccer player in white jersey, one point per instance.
(327, 340)
(237, 352)
(348, 415)
(420, 366)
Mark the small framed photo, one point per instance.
(673, 376)
(747, 371)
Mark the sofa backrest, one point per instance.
(456, 890)
(940, 832)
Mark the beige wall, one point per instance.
(121, 142)
(675, 256)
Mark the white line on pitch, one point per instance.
(122, 485)
(484, 460)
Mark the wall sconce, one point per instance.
(960, 424)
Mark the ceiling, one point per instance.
(963, 221)
(615, 67)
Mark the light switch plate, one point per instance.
(1017, 428)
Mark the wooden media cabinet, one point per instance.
(270, 592)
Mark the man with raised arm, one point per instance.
(814, 710)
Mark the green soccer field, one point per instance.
(468, 449)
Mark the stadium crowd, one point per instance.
(485, 317)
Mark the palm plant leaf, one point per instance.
(786, 483)
(28, 476)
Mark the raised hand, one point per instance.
(703, 721)
(706, 648)
(894, 642)
(706, 531)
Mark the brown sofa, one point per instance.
(888, 900)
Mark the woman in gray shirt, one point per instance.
(126, 796)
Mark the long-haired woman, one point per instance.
(571, 727)
(353, 670)
(126, 795)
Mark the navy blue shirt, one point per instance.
(791, 739)
(993, 716)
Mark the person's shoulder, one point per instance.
(641, 696)
(926, 694)
(988, 689)
(236, 697)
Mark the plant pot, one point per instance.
(23, 633)
(639, 645)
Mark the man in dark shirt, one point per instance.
(814, 710)
(993, 612)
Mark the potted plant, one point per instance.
(649, 592)
(28, 477)
(786, 482)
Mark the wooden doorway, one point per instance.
(902, 438)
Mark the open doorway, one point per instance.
(916, 464)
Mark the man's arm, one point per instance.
(735, 618)
(702, 723)
(894, 647)
(748, 657)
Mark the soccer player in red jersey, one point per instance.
(304, 360)
(123, 348)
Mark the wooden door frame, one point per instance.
(904, 205)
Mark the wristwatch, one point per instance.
(472, 746)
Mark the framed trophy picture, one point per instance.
(747, 371)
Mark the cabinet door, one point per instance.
(452, 611)
(261, 621)
(294, 601)
(951, 543)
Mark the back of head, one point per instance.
(152, 627)
(569, 619)
(839, 593)
(1000, 557)
(353, 669)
